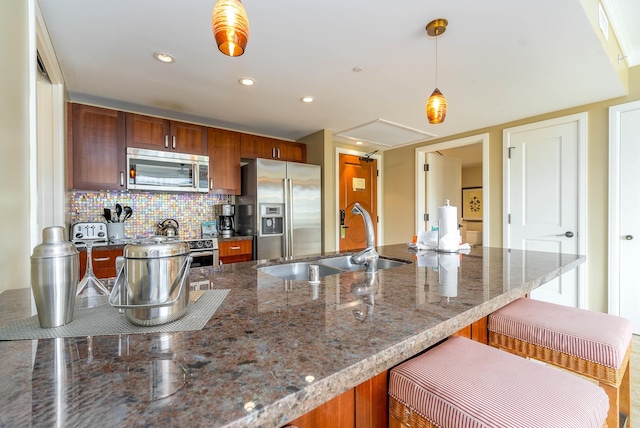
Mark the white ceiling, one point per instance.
(498, 61)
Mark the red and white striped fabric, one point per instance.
(465, 384)
(592, 336)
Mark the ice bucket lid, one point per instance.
(156, 247)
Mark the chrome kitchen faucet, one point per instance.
(369, 256)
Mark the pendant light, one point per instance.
(437, 103)
(230, 27)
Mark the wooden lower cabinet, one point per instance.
(477, 331)
(235, 251)
(103, 262)
(365, 406)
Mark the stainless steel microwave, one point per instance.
(167, 171)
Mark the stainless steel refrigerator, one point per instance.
(280, 206)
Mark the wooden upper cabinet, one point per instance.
(147, 132)
(255, 146)
(224, 161)
(97, 148)
(296, 152)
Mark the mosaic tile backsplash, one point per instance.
(188, 209)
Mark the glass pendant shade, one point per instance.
(436, 107)
(230, 27)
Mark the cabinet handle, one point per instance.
(234, 248)
(102, 259)
(278, 151)
(121, 178)
(273, 152)
(211, 184)
(166, 141)
(173, 142)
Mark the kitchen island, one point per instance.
(273, 351)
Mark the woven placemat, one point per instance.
(106, 320)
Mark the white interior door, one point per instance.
(444, 182)
(545, 197)
(624, 206)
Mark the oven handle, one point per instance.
(201, 253)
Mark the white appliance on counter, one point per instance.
(280, 207)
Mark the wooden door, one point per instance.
(98, 148)
(188, 138)
(358, 183)
(543, 197)
(146, 132)
(224, 161)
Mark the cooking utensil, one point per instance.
(118, 212)
(127, 212)
(107, 215)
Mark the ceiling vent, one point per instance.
(385, 133)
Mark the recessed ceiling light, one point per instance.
(163, 57)
(358, 142)
(307, 99)
(247, 81)
(358, 69)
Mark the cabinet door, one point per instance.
(290, 151)
(255, 146)
(235, 251)
(188, 138)
(224, 161)
(103, 262)
(98, 147)
(146, 132)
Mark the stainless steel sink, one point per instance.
(344, 263)
(328, 266)
(297, 271)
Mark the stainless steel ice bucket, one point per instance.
(152, 286)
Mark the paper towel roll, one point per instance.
(449, 235)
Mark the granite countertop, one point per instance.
(274, 350)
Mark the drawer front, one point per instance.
(233, 248)
(103, 262)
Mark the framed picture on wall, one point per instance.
(472, 203)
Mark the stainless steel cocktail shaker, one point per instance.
(55, 267)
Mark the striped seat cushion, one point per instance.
(592, 336)
(465, 384)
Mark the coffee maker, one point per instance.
(226, 222)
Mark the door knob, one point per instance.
(628, 237)
(568, 234)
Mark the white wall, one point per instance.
(15, 142)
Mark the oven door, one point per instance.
(204, 258)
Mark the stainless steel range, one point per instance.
(204, 251)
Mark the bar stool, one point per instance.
(463, 383)
(588, 343)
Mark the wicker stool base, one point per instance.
(402, 416)
(615, 382)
